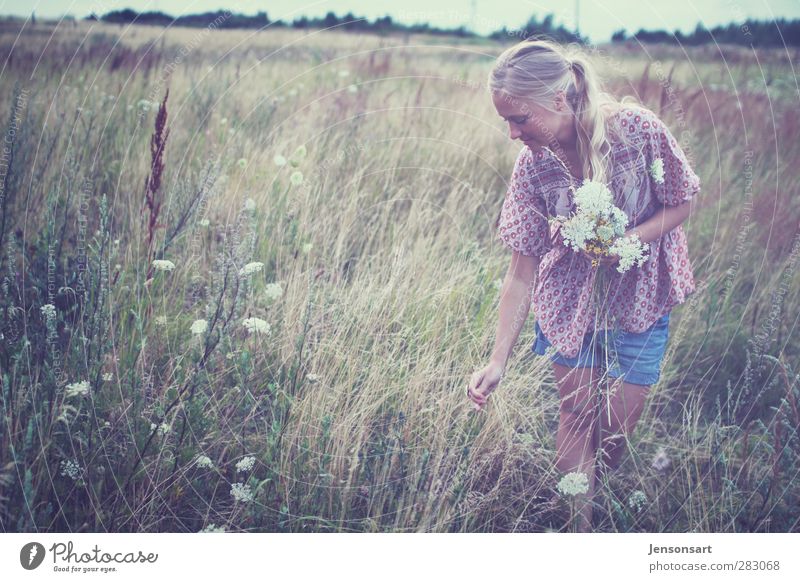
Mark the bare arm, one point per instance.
(662, 221)
(515, 300)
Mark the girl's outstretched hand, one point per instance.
(483, 382)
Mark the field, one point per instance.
(359, 179)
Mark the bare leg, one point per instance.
(625, 406)
(578, 433)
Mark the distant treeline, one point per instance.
(752, 32)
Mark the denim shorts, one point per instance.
(636, 356)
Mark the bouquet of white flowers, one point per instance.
(597, 227)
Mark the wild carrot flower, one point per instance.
(657, 170)
(273, 291)
(296, 178)
(212, 528)
(204, 222)
(163, 265)
(108, 376)
(246, 464)
(306, 248)
(199, 327)
(204, 462)
(279, 160)
(70, 468)
(575, 483)
(256, 325)
(637, 501)
(49, 311)
(242, 492)
(77, 389)
(630, 251)
(251, 268)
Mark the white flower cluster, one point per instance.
(212, 528)
(256, 325)
(163, 265)
(657, 170)
(199, 327)
(242, 492)
(71, 469)
(77, 389)
(597, 227)
(49, 311)
(245, 464)
(251, 268)
(637, 501)
(273, 291)
(204, 462)
(575, 483)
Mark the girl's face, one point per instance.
(534, 125)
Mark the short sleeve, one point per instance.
(523, 225)
(672, 180)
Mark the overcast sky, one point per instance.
(597, 18)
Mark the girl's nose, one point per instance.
(513, 131)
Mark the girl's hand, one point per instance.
(483, 382)
(601, 259)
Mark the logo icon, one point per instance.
(31, 555)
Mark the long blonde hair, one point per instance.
(537, 70)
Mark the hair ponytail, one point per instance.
(538, 70)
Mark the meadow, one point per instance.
(321, 209)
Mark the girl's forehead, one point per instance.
(507, 105)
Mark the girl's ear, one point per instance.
(561, 101)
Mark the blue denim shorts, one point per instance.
(636, 356)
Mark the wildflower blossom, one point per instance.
(661, 461)
(199, 327)
(593, 197)
(144, 104)
(279, 160)
(204, 462)
(256, 325)
(312, 378)
(245, 464)
(352, 89)
(49, 310)
(204, 222)
(242, 492)
(631, 251)
(657, 170)
(242, 163)
(77, 389)
(251, 268)
(575, 483)
(163, 428)
(249, 204)
(108, 376)
(163, 265)
(306, 248)
(211, 528)
(637, 501)
(273, 291)
(161, 320)
(296, 178)
(71, 468)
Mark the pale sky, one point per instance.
(598, 19)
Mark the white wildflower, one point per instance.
(163, 428)
(161, 320)
(249, 204)
(312, 378)
(49, 311)
(211, 528)
(242, 163)
(498, 284)
(661, 461)
(144, 104)
(245, 464)
(631, 251)
(256, 325)
(306, 248)
(296, 178)
(77, 389)
(575, 483)
(242, 492)
(204, 462)
(204, 222)
(657, 170)
(251, 268)
(108, 376)
(577, 230)
(352, 89)
(163, 265)
(224, 120)
(593, 197)
(199, 327)
(637, 500)
(279, 160)
(71, 468)
(273, 291)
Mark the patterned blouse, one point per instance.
(563, 300)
